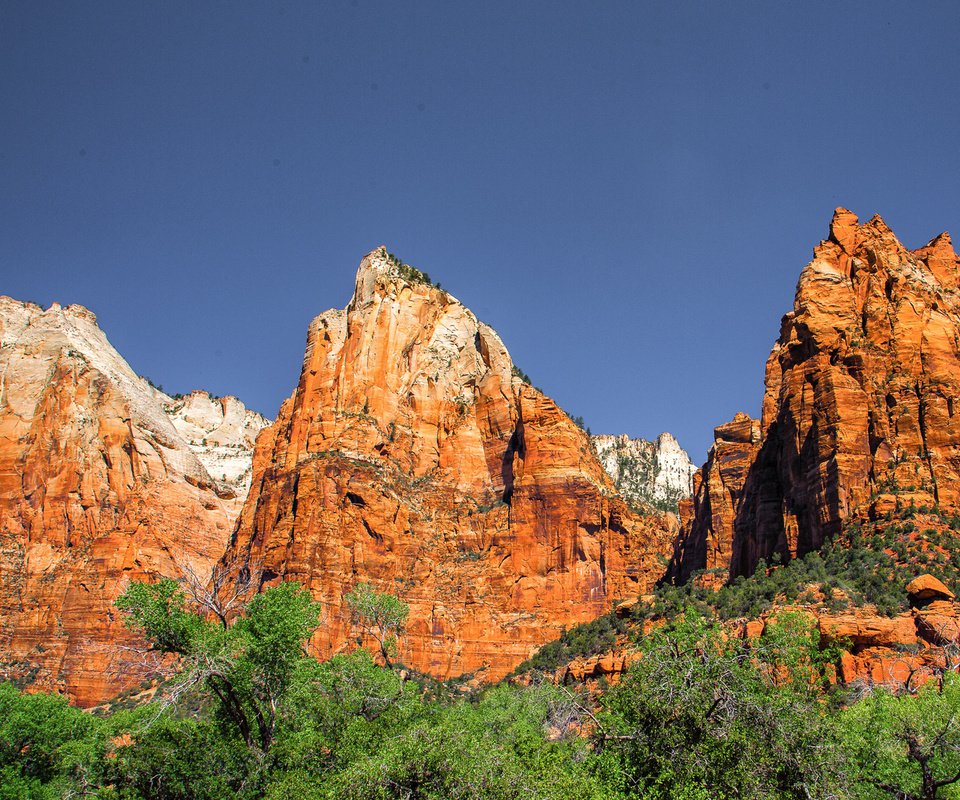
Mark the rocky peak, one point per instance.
(843, 229)
(409, 361)
(382, 273)
(859, 409)
(40, 343)
(410, 457)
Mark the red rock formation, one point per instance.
(589, 670)
(859, 408)
(96, 489)
(907, 649)
(410, 457)
(717, 491)
(925, 588)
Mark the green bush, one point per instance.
(589, 639)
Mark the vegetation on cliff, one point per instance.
(869, 563)
(867, 566)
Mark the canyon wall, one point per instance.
(97, 488)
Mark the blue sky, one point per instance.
(626, 191)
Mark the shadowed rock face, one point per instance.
(409, 457)
(858, 412)
(97, 488)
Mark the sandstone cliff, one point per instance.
(409, 457)
(221, 432)
(97, 488)
(859, 413)
(657, 474)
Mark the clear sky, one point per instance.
(626, 191)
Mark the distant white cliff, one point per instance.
(658, 474)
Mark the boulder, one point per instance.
(925, 588)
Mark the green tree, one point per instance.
(174, 757)
(497, 747)
(247, 667)
(380, 615)
(703, 714)
(342, 710)
(907, 746)
(47, 748)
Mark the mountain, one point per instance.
(859, 415)
(98, 486)
(657, 474)
(221, 432)
(412, 456)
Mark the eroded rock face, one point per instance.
(709, 518)
(97, 488)
(657, 474)
(859, 408)
(410, 458)
(221, 432)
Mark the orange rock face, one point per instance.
(411, 458)
(709, 518)
(96, 489)
(925, 588)
(907, 649)
(858, 412)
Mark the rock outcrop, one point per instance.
(872, 650)
(410, 457)
(97, 488)
(656, 474)
(924, 589)
(221, 432)
(859, 413)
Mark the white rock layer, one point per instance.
(656, 473)
(221, 431)
(209, 441)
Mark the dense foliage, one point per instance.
(700, 715)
